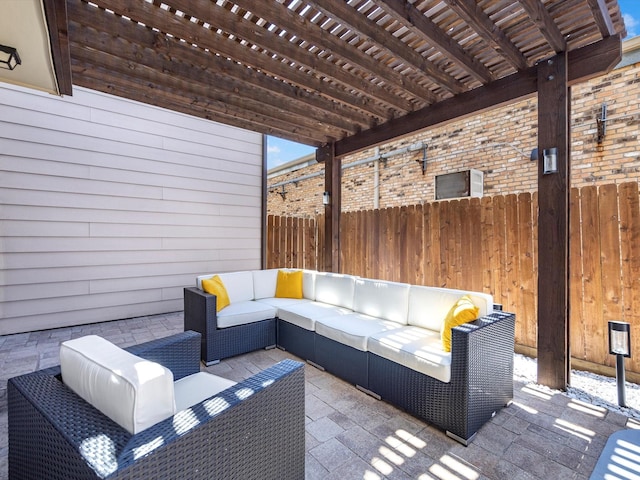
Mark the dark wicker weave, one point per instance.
(218, 343)
(297, 340)
(343, 361)
(481, 378)
(254, 430)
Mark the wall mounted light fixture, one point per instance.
(550, 160)
(9, 58)
(601, 123)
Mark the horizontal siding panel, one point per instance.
(66, 214)
(39, 290)
(208, 243)
(140, 283)
(79, 302)
(82, 259)
(32, 101)
(81, 317)
(206, 181)
(20, 228)
(28, 181)
(241, 231)
(99, 244)
(166, 175)
(29, 276)
(50, 126)
(237, 199)
(109, 207)
(54, 145)
(216, 138)
(85, 244)
(11, 196)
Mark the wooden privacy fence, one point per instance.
(490, 245)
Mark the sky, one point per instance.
(281, 151)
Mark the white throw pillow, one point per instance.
(133, 392)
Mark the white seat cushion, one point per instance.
(353, 329)
(282, 302)
(241, 313)
(417, 348)
(133, 392)
(381, 299)
(305, 314)
(195, 388)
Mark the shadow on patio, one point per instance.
(350, 435)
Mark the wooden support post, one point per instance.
(553, 224)
(333, 188)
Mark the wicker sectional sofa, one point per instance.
(253, 429)
(384, 337)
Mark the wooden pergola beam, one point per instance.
(583, 64)
(553, 224)
(56, 17)
(333, 187)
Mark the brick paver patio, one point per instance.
(350, 435)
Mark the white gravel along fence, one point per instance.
(585, 386)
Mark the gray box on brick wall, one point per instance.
(467, 183)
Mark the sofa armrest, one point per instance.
(55, 434)
(482, 364)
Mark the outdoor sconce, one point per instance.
(601, 124)
(550, 160)
(620, 346)
(326, 198)
(9, 58)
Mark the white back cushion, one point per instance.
(386, 300)
(264, 283)
(239, 285)
(309, 284)
(335, 289)
(133, 392)
(428, 306)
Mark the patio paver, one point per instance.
(351, 435)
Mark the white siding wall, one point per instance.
(108, 208)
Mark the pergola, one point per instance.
(347, 75)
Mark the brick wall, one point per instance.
(498, 142)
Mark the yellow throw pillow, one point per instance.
(289, 284)
(214, 286)
(462, 312)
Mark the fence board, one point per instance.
(428, 277)
(527, 272)
(630, 253)
(414, 237)
(499, 244)
(577, 338)
(510, 285)
(475, 241)
(487, 247)
(592, 280)
(610, 256)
